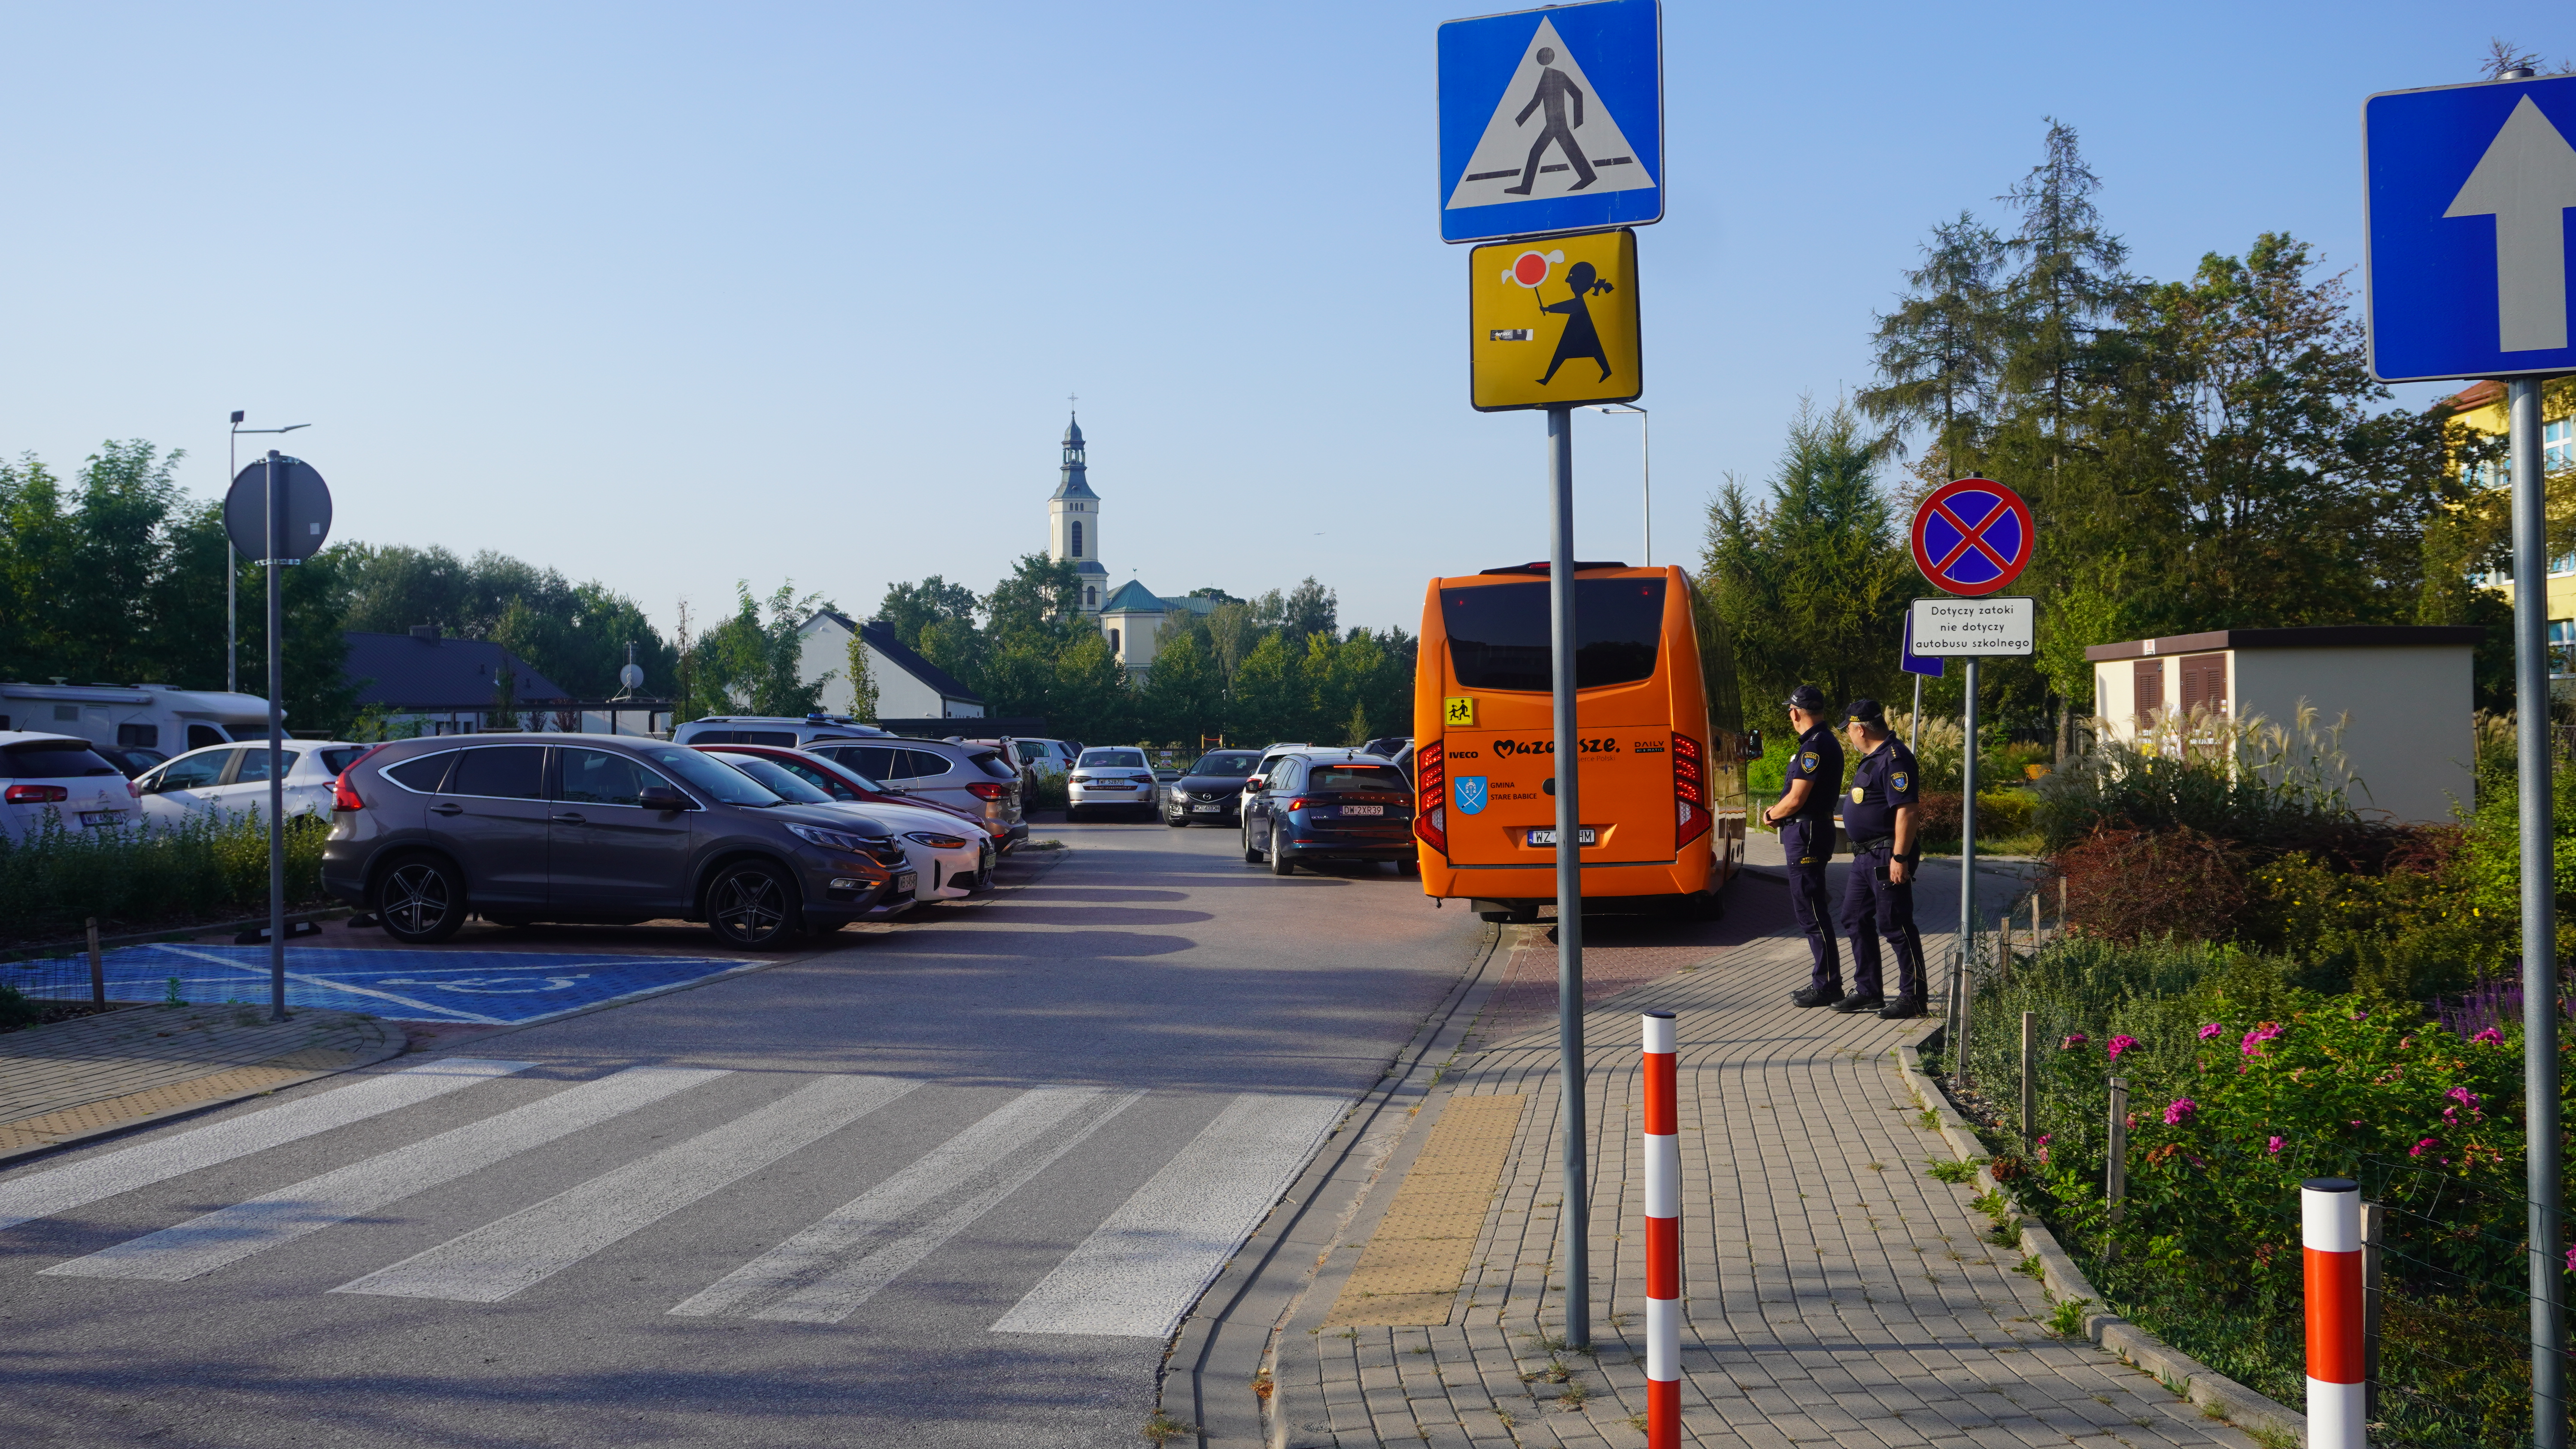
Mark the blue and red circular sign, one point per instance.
(1972, 536)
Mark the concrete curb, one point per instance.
(398, 1043)
(2213, 1392)
(60, 949)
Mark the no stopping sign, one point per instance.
(1972, 536)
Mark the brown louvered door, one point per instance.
(2204, 684)
(2148, 676)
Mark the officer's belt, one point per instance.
(1872, 843)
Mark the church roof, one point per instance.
(1135, 598)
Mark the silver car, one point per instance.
(233, 779)
(50, 781)
(972, 778)
(1108, 777)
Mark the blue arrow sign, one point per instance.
(1552, 121)
(2469, 188)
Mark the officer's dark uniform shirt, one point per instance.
(1886, 779)
(1819, 762)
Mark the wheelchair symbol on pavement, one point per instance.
(491, 985)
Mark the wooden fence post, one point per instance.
(2029, 1087)
(97, 968)
(2115, 1182)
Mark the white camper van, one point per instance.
(135, 716)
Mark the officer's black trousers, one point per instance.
(1875, 907)
(1809, 847)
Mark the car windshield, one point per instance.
(1227, 764)
(780, 780)
(52, 760)
(727, 784)
(1113, 759)
(1354, 777)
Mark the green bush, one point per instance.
(52, 882)
(2243, 1081)
(2246, 781)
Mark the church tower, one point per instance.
(1073, 523)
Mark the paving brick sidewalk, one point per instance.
(74, 1078)
(1835, 1293)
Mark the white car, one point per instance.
(950, 858)
(233, 779)
(59, 780)
(1106, 775)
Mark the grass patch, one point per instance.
(2066, 1317)
(1952, 1170)
(138, 879)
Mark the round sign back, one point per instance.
(1972, 536)
(306, 523)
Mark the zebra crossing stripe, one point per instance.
(1143, 1268)
(496, 1261)
(82, 1183)
(811, 1278)
(230, 1234)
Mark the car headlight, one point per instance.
(935, 840)
(834, 839)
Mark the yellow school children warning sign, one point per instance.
(1554, 322)
(1462, 710)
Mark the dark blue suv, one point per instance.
(1330, 805)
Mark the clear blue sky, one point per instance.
(671, 296)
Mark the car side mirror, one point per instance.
(663, 797)
(1256, 782)
(1753, 745)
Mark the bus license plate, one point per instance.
(1583, 836)
(1364, 810)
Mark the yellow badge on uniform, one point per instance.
(1461, 710)
(1857, 796)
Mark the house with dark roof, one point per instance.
(447, 686)
(908, 686)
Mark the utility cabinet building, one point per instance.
(2406, 690)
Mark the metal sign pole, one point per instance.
(276, 747)
(2539, 917)
(1569, 874)
(1963, 973)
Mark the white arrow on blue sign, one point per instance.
(1552, 121)
(2469, 189)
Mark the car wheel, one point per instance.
(1251, 855)
(1283, 861)
(1411, 865)
(1177, 822)
(421, 900)
(752, 905)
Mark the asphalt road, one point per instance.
(943, 1186)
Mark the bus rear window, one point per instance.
(1498, 633)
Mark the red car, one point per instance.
(845, 784)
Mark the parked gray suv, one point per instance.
(596, 828)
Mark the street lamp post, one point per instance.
(232, 565)
(1646, 459)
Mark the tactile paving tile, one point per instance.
(1409, 1272)
(91, 1116)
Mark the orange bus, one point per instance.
(1661, 733)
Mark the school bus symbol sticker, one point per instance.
(1461, 711)
(1554, 323)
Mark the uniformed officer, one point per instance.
(1878, 897)
(1805, 816)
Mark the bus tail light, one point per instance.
(1430, 797)
(1690, 791)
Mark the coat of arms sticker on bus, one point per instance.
(1471, 794)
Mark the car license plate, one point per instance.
(1587, 835)
(1364, 810)
(99, 817)
(1110, 787)
(1207, 810)
(904, 883)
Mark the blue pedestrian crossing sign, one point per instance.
(2469, 190)
(1552, 121)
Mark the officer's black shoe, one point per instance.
(1813, 996)
(1850, 1004)
(1902, 1008)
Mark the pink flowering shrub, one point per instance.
(2119, 1044)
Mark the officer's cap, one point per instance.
(1865, 711)
(1808, 698)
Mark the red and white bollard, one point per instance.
(1663, 1239)
(2330, 1211)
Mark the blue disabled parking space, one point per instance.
(499, 988)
